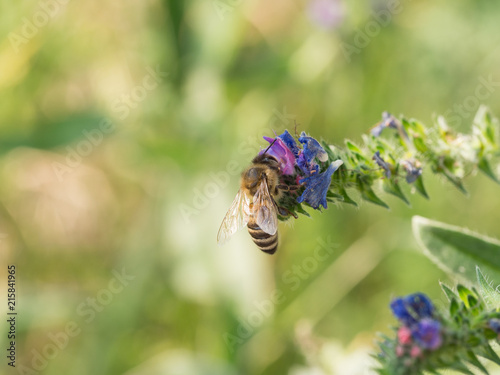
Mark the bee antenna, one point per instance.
(275, 139)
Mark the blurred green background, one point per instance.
(124, 128)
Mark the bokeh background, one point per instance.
(124, 128)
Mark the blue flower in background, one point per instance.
(412, 171)
(317, 186)
(388, 121)
(382, 164)
(413, 308)
(494, 325)
(427, 334)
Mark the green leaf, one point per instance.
(419, 144)
(460, 367)
(301, 210)
(464, 294)
(454, 307)
(457, 182)
(447, 290)
(419, 185)
(485, 123)
(484, 166)
(457, 250)
(393, 188)
(487, 352)
(347, 198)
(490, 295)
(368, 195)
(352, 147)
(471, 357)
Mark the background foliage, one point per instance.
(232, 78)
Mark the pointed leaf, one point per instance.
(301, 210)
(490, 295)
(419, 185)
(352, 147)
(457, 182)
(460, 367)
(368, 195)
(457, 250)
(347, 198)
(487, 352)
(454, 307)
(485, 167)
(464, 294)
(447, 290)
(393, 188)
(471, 357)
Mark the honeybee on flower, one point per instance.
(278, 180)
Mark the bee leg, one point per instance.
(288, 188)
(285, 212)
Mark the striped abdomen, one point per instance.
(268, 243)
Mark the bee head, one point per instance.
(266, 159)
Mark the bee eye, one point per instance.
(253, 174)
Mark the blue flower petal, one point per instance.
(400, 311)
(312, 149)
(427, 334)
(411, 309)
(307, 169)
(289, 141)
(412, 171)
(494, 325)
(382, 164)
(388, 121)
(317, 186)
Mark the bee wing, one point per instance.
(236, 217)
(265, 210)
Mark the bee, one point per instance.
(255, 204)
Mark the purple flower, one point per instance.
(317, 186)
(382, 164)
(281, 152)
(412, 170)
(388, 121)
(326, 13)
(427, 334)
(411, 309)
(290, 143)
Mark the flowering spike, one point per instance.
(305, 164)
